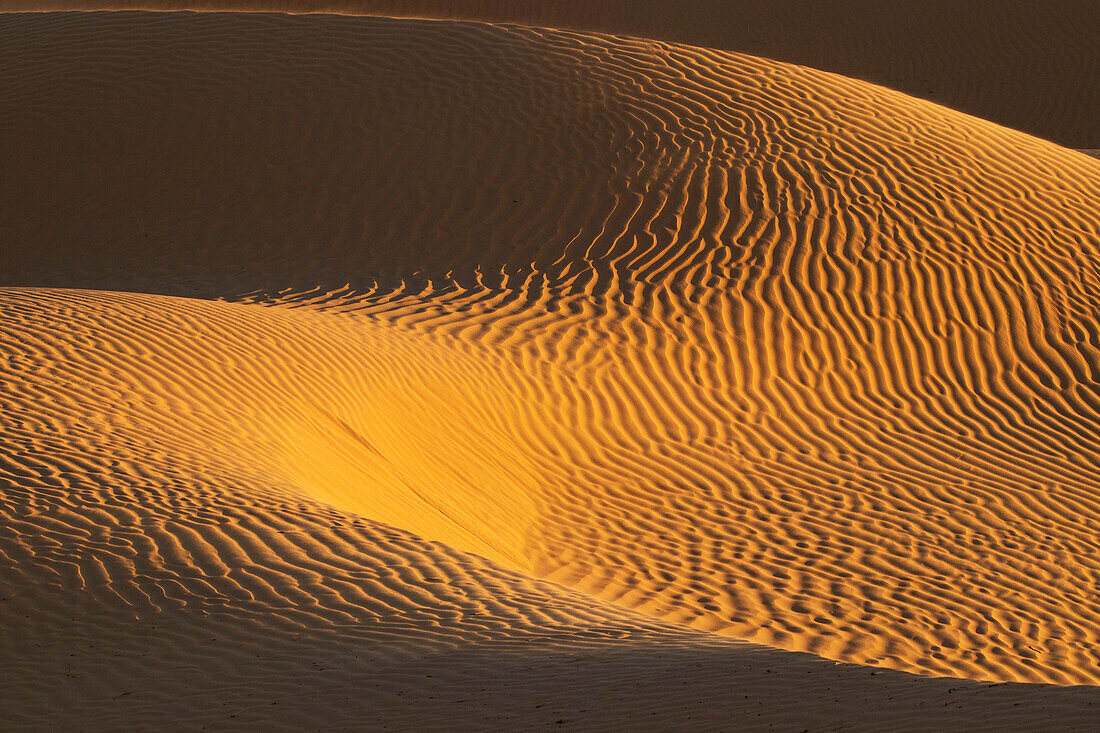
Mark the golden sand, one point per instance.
(435, 374)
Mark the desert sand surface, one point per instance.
(1031, 66)
(376, 373)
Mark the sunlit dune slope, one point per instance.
(1030, 67)
(167, 563)
(714, 340)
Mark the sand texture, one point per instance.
(433, 374)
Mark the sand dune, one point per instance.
(1030, 68)
(347, 353)
(168, 562)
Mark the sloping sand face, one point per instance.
(168, 565)
(541, 345)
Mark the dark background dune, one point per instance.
(1030, 66)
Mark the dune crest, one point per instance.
(569, 337)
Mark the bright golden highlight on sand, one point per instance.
(368, 372)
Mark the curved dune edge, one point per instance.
(1002, 61)
(740, 346)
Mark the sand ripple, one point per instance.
(539, 337)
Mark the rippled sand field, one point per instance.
(364, 372)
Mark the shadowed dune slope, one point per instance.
(540, 345)
(1030, 67)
